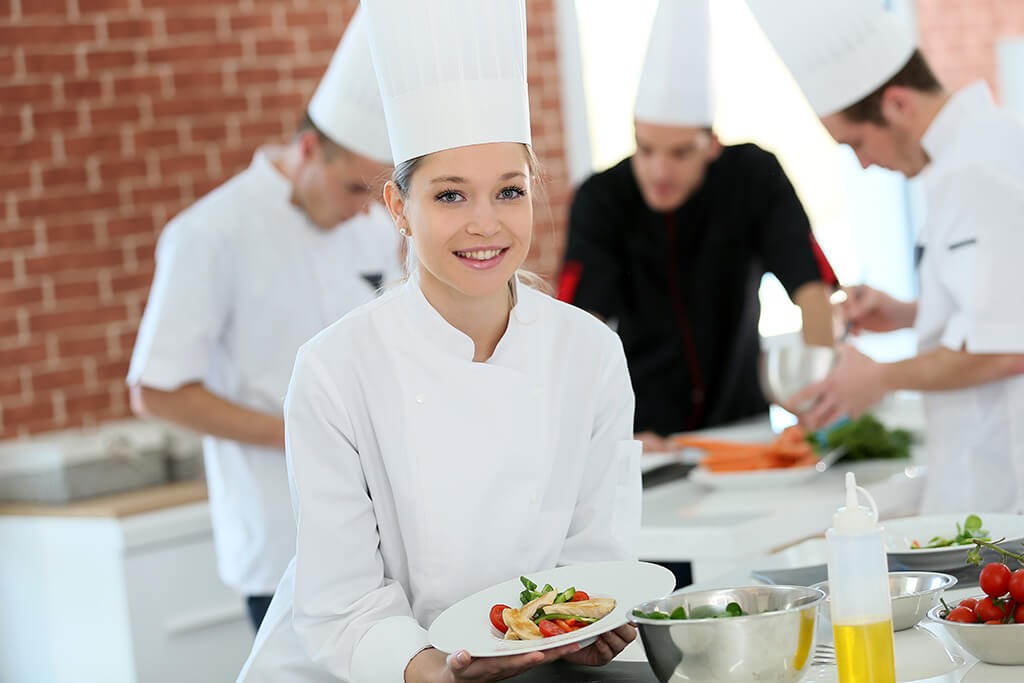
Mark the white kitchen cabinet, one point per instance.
(116, 599)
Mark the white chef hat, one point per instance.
(839, 51)
(675, 84)
(452, 72)
(346, 106)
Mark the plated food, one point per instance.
(466, 624)
(908, 540)
(965, 535)
(547, 612)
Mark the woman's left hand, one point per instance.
(605, 648)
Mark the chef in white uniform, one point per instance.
(465, 428)
(243, 278)
(874, 91)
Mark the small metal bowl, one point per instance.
(773, 642)
(788, 369)
(912, 594)
(991, 643)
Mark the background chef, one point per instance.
(244, 277)
(864, 76)
(671, 244)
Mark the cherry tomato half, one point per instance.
(579, 596)
(991, 610)
(962, 615)
(969, 603)
(995, 579)
(549, 628)
(1017, 585)
(496, 620)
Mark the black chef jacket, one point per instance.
(683, 286)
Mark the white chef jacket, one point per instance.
(243, 279)
(421, 477)
(972, 278)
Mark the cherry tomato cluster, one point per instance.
(1004, 601)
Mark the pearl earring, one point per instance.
(404, 232)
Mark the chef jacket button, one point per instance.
(420, 398)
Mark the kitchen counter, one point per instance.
(123, 587)
(717, 529)
(125, 504)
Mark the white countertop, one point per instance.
(715, 530)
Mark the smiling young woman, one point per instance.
(464, 428)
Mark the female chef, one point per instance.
(464, 429)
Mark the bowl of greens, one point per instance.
(749, 633)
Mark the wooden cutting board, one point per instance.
(117, 505)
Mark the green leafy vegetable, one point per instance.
(965, 535)
(530, 592)
(864, 438)
(733, 609)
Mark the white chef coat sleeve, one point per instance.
(188, 307)
(606, 520)
(350, 618)
(988, 208)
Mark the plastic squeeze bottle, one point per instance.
(858, 582)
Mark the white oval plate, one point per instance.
(466, 626)
(900, 533)
(753, 479)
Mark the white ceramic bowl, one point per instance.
(991, 643)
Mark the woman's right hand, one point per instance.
(434, 666)
(868, 309)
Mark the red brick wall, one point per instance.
(959, 37)
(116, 114)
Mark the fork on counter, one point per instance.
(824, 655)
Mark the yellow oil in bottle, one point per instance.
(864, 652)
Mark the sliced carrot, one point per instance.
(790, 449)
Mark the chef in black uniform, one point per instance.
(671, 243)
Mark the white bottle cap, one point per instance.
(854, 516)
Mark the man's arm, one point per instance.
(593, 263)
(857, 382)
(943, 369)
(816, 310)
(194, 407)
